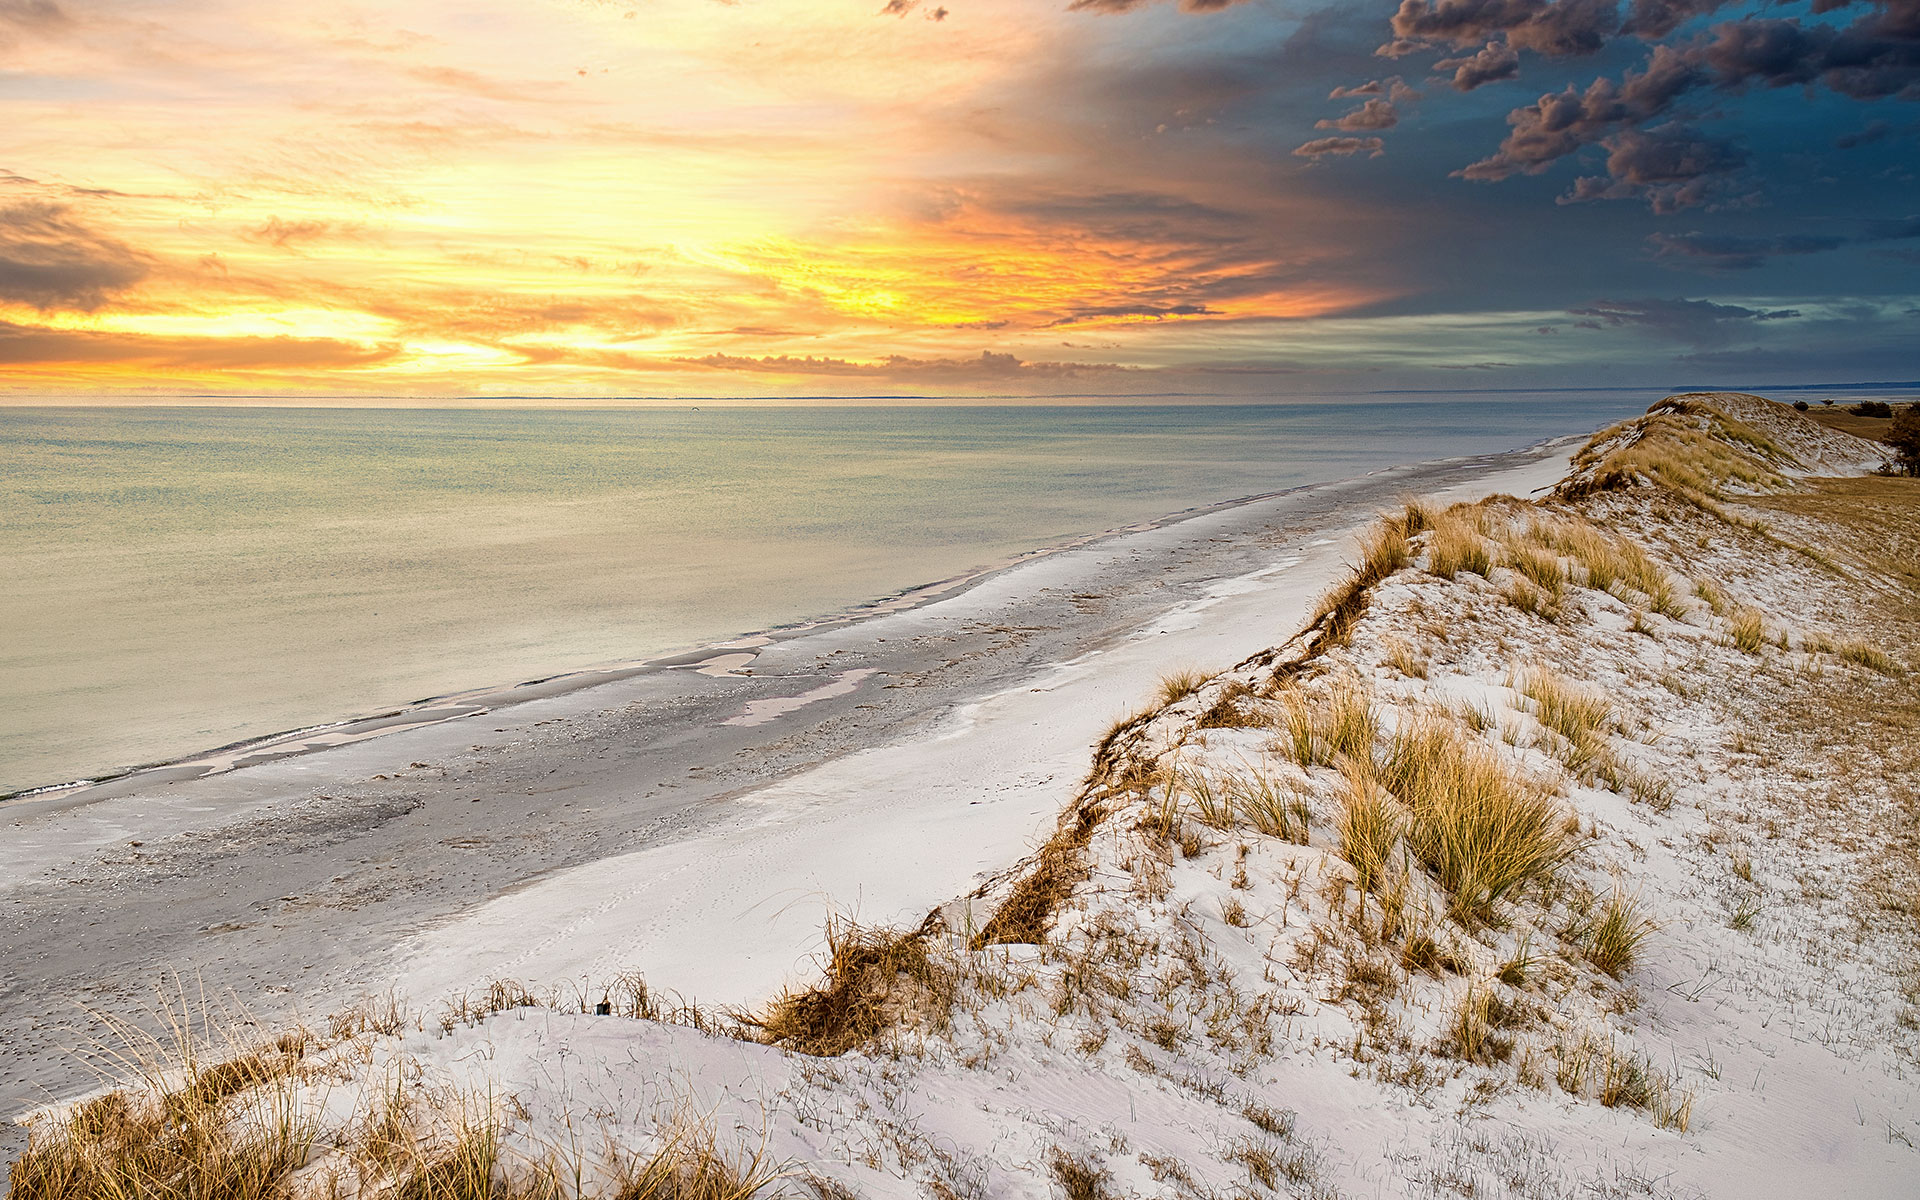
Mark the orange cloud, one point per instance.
(560, 198)
(1106, 260)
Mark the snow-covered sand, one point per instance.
(1213, 1019)
(1215, 1005)
(284, 875)
(884, 834)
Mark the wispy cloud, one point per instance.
(568, 196)
(51, 258)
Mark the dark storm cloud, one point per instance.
(1691, 321)
(1155, 311)
(50, 259)
(1393, 88)
(1875, 57)
(1653, 19)
(1565, 29)
(1493, 62)
(1560, 123)
(1727, 252)
(1657, 134)
(1723, 252)
(1341, 147)
(1672, 166)
(1373, 114)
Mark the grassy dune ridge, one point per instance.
(1571, 848)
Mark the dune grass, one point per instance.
(872, 978)
(1569, 710)
(1459, 544)
(1383, 549)
(1176, 686)
(1586, 1065)
(1348, 724)
(1216, 807)
(1482, 828)
(1685, 445)
(1581, 717)
(1271, 809)
(122, 1147)
(1541, 603)
(1548, 550)
(1368, 826)
(1474, 1031)
(1748, 631)
(1321, 730)
(1606, 561)
(1234, 708)
(1611, 937)
(690, 1164)
(1299, 731)
(1401, 657)
(1711, 596)
(1028, 909)
(1540, 567)
(208, 1112)
(1865, 654)
(465, 1166)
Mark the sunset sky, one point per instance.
(856, 197)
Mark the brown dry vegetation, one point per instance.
(1837, 417)
(1685, 446)
(1025, 912)
(1449, 844)
(874, 979)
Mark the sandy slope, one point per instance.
(884, 834)
(1211, 1009)
(287, 875)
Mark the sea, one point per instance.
(181, 578)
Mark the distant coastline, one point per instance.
(1900, 388)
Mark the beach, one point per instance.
(185, 578)
(637, 823)
(1105, 600)
(1536, 824)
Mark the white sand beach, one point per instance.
(886, 834)
(648, 811)
(1027, 944)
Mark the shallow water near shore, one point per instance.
(186, 577)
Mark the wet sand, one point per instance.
(321, 868)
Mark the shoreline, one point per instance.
(484, 699)
(296, 883)
(953, 806)
(1548, 852)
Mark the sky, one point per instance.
(1240, 198)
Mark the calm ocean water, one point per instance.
(180, 578)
